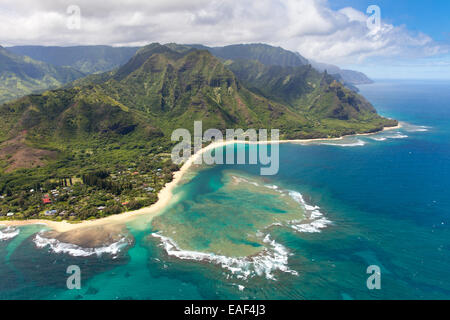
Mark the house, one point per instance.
(101, 208)
(46, 199)
(50, 212)
(10, 214)
(125, 203)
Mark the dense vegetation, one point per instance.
(87, 59)
(264, 53)
(102, 145)
(64, 64)
(20, 75)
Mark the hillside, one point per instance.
(264, 53)
(334, 109)
(276, 56)
(98, 59)
(111, 132)
(87, 59)
(350, 77)
(21, 75)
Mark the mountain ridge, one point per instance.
(101, 58)
(87, 59)
(350, 77)
(21, 75)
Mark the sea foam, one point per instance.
(8, 233)
(397, 135)
(313, 226)
(273, 258)
(315, 220)
(266, 263)
(415, 128)
(357, 143)
(74, 250)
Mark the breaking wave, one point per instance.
(241, 179)
(414, 128)
(357, 143)
(271, 259)
(384, 137)
(378, 138)
(397, 135)
(312, 227)
(315, 220)
(74, 250)
(8, 233)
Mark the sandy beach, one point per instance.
(164, 196)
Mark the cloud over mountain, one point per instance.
(307, 26)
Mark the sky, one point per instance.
(408, 39)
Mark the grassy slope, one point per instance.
(20, 75)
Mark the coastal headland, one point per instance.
(164, 197)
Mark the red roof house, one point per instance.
(46, 199)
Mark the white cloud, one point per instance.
(307, 26)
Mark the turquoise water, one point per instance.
(229, 234)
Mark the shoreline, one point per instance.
(165, 194)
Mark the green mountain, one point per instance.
(21, 75)
(349, 77)
(264, 53)
(87, 59)
(306, 90)
(112, 131)
(97, 59)
(276, 56)
(287, 78)
(160, 87)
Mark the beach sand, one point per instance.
(92, 236)
(164, 197)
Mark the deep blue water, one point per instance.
(388, 201)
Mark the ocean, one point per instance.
(334, 209)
